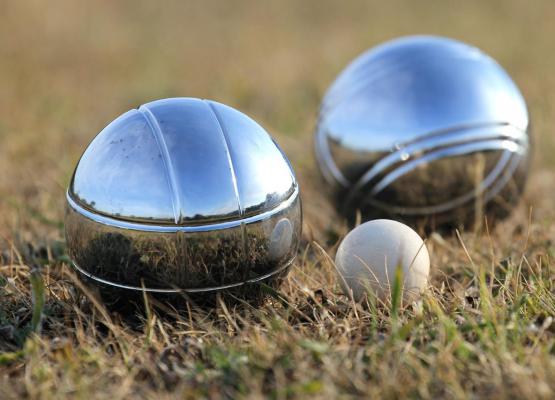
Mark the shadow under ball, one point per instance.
(424, 129)
(182, 195)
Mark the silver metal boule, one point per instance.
(183, 195)
(424, 127)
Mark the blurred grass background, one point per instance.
(67, 68)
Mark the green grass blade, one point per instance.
(396, 293)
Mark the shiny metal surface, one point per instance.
(423, 127)
(182, 195)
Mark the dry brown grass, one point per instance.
(67, 68)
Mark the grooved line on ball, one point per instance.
(451, 151)
(445, 138)
(110, 220)
(170, 171)
(508, 130)
(233, 174)
(505, 133)
(177, 290)
(492, 185)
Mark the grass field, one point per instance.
(485, 327)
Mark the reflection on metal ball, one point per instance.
(182, 195)
(424, 128)
(280, 239)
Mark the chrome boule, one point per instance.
(424, 128)
(182, 195)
